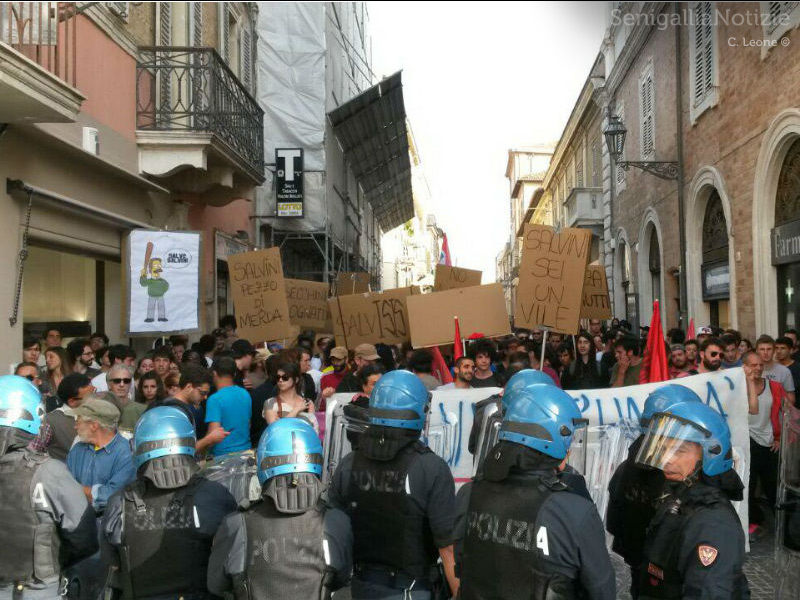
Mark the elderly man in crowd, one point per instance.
(101, 461)
(120, 382)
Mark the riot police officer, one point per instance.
(54, 515)
(694, 547)
(157, 531)
(527, 533)
(400, 497)
(634, 491)
(290, 545)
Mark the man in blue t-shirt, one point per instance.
(229, 408)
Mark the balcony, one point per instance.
(37, 62)
(584, 208)
(198, 129)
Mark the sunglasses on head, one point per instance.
(125, 380)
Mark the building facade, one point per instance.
(115, 116)
(706, 222)
(321, 99)
(525, 171)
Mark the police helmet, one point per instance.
(523, 379)
(20, 404)
(399, 399)
(289, 445)
(663, 398)
(541, 417)
(163, 431)
(687, 422)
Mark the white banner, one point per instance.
(612, 413)
(163, 279)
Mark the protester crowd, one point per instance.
(97, 395)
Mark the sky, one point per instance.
(481, 78)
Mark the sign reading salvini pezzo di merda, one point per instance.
(786, 243)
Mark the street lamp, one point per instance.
(615, 140)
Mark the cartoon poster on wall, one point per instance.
(163, 282)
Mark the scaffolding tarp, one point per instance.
(371, 129)
(291, 91)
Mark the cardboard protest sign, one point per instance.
(352, 283)
(308, 304)
(480, 309)
(372, 318)
(551, 276)
(259, 295)
(450, 278)
(596, 304)
(162, 279)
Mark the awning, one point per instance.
(371, 129)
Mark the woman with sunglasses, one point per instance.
(58, 365)
(289, 402)
(149, 389)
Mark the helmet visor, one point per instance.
(670, 441)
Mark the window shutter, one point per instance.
(246, 61)
(703, 51)
(165, 25)
(225, 28)
(579, 174)
(197, 23)
(165, 39)
(647, 114)
(597, 164)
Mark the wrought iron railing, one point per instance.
(44, 32)
(192, 89)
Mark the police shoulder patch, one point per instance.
(707, 555)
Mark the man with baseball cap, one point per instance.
(365, 354)
(330, 381)
(243, 354)
(101, 461)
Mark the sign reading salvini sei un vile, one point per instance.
(289, 181)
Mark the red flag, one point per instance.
(440, 370)
(444, 255)
(690, 333)
(458, 344)
(654, 363)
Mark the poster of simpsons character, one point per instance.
(163, 282)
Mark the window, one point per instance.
(620, 171)
(597, 164)
(579, 169)
(779, 18)
(654, 260)
(702, 59)
(647, 110)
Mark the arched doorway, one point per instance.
(786, 240)
(715, 270)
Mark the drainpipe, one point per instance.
(683, 322)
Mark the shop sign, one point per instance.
(289, 181)
(716, 282)
(785, 242)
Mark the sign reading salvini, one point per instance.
(289, 181)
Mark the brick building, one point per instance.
(722, 220)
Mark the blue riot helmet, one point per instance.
(399, 399)
(542, 417)
(163, 431)
(696, 422)
(289, 445)
(663, 398)
(523, 379)
(20, 404)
